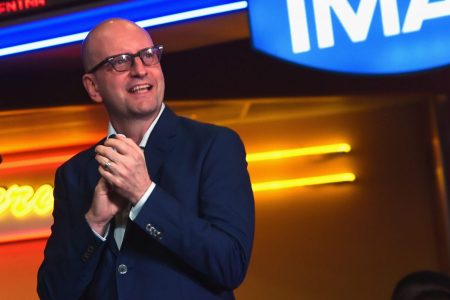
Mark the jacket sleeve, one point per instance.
(217, 239)
(72, 251)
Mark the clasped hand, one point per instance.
(127, 171)
(124, 179)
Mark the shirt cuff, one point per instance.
(134, 211)
(103, 238)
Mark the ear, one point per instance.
(91, 86)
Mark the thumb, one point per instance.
(102, 185)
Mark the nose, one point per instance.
(138, 68)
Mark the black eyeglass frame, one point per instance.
(107, 60)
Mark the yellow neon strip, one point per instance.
(298, 182)
(317, 150)
(23, 200)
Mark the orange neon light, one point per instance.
(36, 161)
(251, 157)
(25, 235)
(23, 200)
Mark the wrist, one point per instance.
(142, 194)
(96, 225)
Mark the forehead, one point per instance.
(119, 37)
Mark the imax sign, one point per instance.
(356, 36)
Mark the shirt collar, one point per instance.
(144, 140)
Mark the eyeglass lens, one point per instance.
(124, 62)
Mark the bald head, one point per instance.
(134, 94)
(97, 41)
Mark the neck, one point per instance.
(133, 128)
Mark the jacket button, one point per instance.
(122, 269)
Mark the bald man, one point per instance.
(162, 208)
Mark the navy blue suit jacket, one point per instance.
(191, 240)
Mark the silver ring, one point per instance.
(107, 165)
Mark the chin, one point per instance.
(145, 110)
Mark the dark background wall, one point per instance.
(227, 70)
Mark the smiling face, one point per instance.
(130, 95)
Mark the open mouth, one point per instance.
(140, 88)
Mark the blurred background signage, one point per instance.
(354, 36)
(17, 8)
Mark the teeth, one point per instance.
(140, 88)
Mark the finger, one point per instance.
(107, 166)
(108, 153)
(117, 145)
(102, 150)
(105, 163)
(107, 176)
(123, 144)
(114, 182)
(101, 160)
(102, 185)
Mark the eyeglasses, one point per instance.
(124, 62)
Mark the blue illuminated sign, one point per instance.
(355, 36)
(74, 27)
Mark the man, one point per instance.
(163, 208)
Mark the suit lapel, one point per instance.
(93, 176)
(160, 143)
